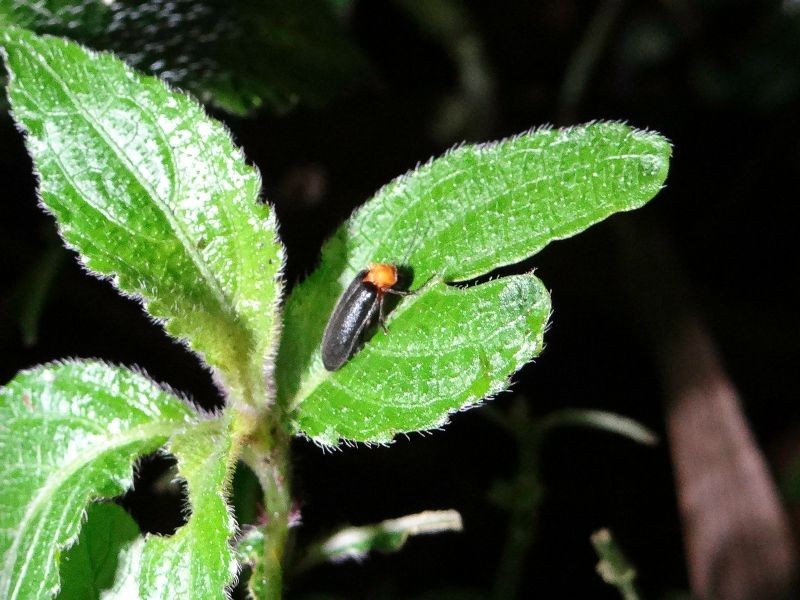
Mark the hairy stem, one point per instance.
(267, 454)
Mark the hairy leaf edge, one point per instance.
(268, 366)
(126, 482)
(503, 386)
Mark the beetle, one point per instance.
(356, 309)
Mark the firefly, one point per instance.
(355, 311)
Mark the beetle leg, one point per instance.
(381, 316)
(408, 292)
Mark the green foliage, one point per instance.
(79, 18)
(153, 194)
(614, 567)
(387, 536)
(348, 543)
(248, 551)
(126, 581)
(71, 432)
(90, 566)
(446, 348)
(235, 54)
(458, 217)
(196, 562)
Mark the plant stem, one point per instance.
(614, 567)
(523, 515)
(267, 454)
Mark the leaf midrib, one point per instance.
(184, 239)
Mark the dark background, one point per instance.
(720, 79)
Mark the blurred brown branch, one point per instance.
(737, 536)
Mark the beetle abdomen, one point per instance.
(354, 311)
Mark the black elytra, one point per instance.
(355, 311)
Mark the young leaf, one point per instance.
(457, 217)
(250, 552)
(70, 433)
(387, 536)
(153, 194)
(90, 566)
(197, 562)
(614, 567)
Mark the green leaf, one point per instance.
(89, 567)
(196, 562)
(458, 217)
(387, 536)
(69, 432)
(152, 194)
(78, 18)
(126, 581)
(250, 551)
(446, 348)
(208, 48)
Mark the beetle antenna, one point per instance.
(413, 245)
